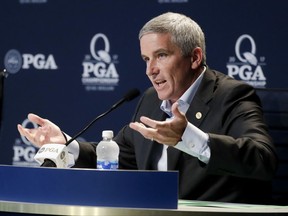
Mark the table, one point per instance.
(185, 208)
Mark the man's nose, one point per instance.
(151, 68)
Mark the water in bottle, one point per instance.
(107, 152)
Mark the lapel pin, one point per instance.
(198, 115)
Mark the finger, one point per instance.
(149, 122)
(136, 125)
(20, 129)
(36, 119)
(25, 132)
(148, 133)
(31, 136)
(175, 110)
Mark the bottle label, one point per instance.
(107, 165)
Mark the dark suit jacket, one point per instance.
(243, 159)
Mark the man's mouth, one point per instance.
(159, 82)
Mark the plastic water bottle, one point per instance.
(107, 152)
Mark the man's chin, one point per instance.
(162, 95)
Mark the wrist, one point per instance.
(65, 137)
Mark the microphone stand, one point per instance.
(129, 96)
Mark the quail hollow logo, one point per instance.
(99, 71)
(246, 66)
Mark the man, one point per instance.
(198, 121)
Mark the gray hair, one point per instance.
(185, 32)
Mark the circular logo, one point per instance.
(248, 56)
(13, 61)
(102, 54)
(62, 155)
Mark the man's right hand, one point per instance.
(47, 132)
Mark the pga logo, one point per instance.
(246, 66)
(102, 65)
(39, 61)
(14, 61)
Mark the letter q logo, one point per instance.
(101, 54)
(247, 56)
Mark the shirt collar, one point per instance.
(185, 100)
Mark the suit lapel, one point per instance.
(199, 107)
(197, 111)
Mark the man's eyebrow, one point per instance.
(160, 50)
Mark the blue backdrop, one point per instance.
(70, 60)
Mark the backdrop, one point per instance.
(70, 60)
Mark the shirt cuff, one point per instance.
(195, 143)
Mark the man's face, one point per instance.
(170, 73)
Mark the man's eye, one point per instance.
(162, 55)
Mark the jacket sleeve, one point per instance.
(87, 155)
(246, 149)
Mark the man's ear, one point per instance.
(196, 58)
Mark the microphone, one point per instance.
(56, 155)
(4, 73)
(130, 95)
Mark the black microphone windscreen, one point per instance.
(133, 93)
(48, 163)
